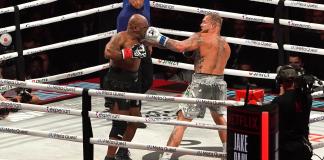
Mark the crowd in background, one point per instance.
(90, 54)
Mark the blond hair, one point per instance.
(215, 18)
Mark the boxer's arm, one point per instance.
(190, 44)
(154, 36)
(136, 3)
(112, 50)
(152, 44)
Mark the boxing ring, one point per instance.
(99, 122)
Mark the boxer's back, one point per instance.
(212, 55)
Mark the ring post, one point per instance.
(86, 126)
(20, 63)
(252, 132)
(279, 32)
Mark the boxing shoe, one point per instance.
(123, 154)
(110, 158)
(141, 125)
(4, 112)
(165, 156)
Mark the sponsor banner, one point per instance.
(161, 148)
(62, 136)
(112, 142)
(253, 18)
(13, 130)
(163, 5)
(58, 110)
(299, 24)
(300, 4)
(8, 104)
(13, 83)
(62, 88)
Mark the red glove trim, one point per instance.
(127, 53)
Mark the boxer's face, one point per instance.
(142, 30)
(206, 24)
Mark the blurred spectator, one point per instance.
(238, 50)
(47, 67)
(317, 16)
(295, 60)
(241, 82)
(308, 12)
(168, 73)
(35, 68)
(172, 73)
(38, 67)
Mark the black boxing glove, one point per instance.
(137, 51)
(25, 96)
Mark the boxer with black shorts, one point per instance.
(145, 72)
(125, 53)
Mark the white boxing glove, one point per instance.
(153, 34)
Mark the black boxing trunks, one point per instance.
(118, 79)
(145, 73)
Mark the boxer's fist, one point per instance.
(137, 51)
(153, 34)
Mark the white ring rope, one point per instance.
(245, 17)
(121, 95)
(297, 4)
(247, 42)
(26, 5)
(318, 94)
(67, 75)
(157, 62)
(103, 115)
(109, 142)
(318, 145)
(227, 71)
(61, 18)
(60, 45)
(254, 43)
(109, 116)
(72, 74)
(123, 144)
(316, 119)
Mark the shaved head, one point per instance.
(137, 20)
(137, 25)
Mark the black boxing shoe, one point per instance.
(110, 158)
(123, 154)
(141, 125)
(4, 112)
